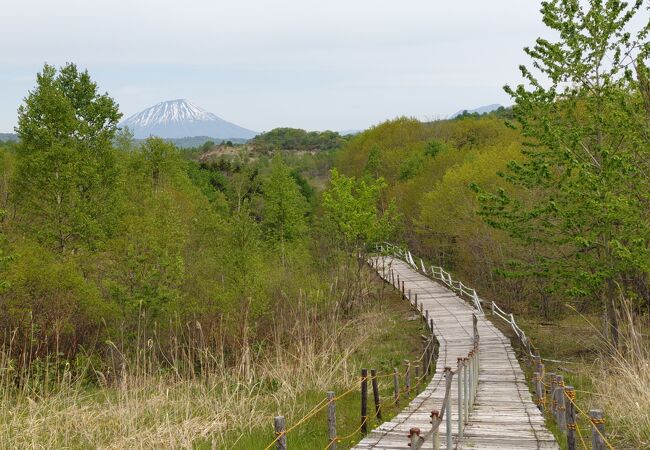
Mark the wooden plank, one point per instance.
(504, 415)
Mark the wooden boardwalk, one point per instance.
(504, 415)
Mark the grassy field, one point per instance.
(394, 335)
(616, 381)
(224, 407)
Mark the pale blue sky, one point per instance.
(327, 64)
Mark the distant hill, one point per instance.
(480, 110)
(295, 139)
(8, 137)
(176, 119)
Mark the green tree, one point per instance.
(582, 113)
(66, 172)
(161, 160)
(284, 206)
(356, 224)
(374, 161)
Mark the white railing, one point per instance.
(510, 319)
(440, 274)
(437, 273)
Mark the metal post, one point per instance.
(414, 437)
(435, 421)
(448, 380)
(466, 388)
(460, 397)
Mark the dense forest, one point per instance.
(128, 264)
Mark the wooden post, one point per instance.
(399, 283)
(570, 418)
(425, 352)
(407, 378)
(561, 403)
(396, 386)
(409, 291)
(475, 328)
(426, 314)
(417, 379)
(375, 393)
(364, 401)
(414, 438)
(551, 395)
(403, 289)
(280, 428)
(331, 420)
(538, 394)
(435, 421)
(539, 390)
(597, 429)
(416, 299)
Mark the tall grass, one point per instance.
(623, 382)
(184, 390)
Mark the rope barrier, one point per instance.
(584, 444)
(325, 402)
(571, 396)
(406, 390)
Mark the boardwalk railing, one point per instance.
(552, 395)
(436, 272)
(466, 374)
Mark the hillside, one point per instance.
(294, 139)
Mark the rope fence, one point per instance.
(405, 386)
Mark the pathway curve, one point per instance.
(504, 415)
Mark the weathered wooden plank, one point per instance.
(504, 415)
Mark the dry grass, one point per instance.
(614, 380)
(188, 397)
(148, 407)
(623, 384)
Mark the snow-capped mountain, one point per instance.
(181, 118)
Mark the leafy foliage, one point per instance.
(585, 166)
(297, 140)
(65, 175)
